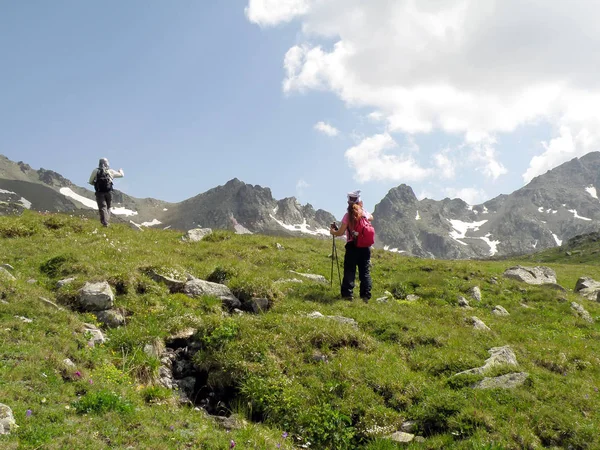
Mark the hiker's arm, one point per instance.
(340, 231)
(92, 177)
(119, 174)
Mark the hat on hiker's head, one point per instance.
(354, 196)
(103, 162)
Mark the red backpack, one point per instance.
(363, 233)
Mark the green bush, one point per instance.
(99, 402)
(59, 266)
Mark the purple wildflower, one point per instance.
(91, 381)
(28, 413)
(78, 374)
(232, 444)
(285, 434)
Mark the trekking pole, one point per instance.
(337, 262)
(332, 256)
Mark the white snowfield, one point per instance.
(302, 227)
(120, 211)
(592, 191)
(393, 250)
(460, 231)
(558, 241)
(577, 216)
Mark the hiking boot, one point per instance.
(347, 297)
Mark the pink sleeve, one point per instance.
(345, 219)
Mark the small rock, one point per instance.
(475, 293)
(197, 234)
(96, 336)
(382, 300)
(24, 319)
(68, 363)
(408, 426)
(499, 356)
(231, 422)
(7, 420)
(50, 303)
(500, 311)
(493, 280)
(478, 324)
(5, 274)
(64, 282)
(31, 281)
(412, 298)
(581, 312)
(463, 303)
(280, 247)
(400, 436)
(8, 267)
(312, 276)
(110, 318)
(96, 296)
(509, 381)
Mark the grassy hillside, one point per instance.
(289, 380)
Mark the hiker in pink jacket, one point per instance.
(355, 256)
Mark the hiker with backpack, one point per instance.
(102, 180)
(360, 236)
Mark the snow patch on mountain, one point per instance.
(68, 192)
(493, 244)
(152, 223)
(461, 228)
(302, 227)
(556, 239)
(577, 216)
(592, 191)
(418, 216)
(122, 211)
(393, 250)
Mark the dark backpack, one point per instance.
(363, 233)
(103, 181)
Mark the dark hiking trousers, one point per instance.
(104, 199)
(354, 257)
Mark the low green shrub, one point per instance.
(101, 401)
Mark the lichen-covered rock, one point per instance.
(7, 420)
(197, 234)
(110, 318)
(96, 297)
(531, 275)
(588, 288)
(508, 381)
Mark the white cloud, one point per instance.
(301, 185)
(327, 129)
(370, 161)
(469, 68)
(273, 12)
(446, 167)
(472, 196)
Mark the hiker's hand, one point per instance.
(121, 172)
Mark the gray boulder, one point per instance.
(588, 288)
(500, 311)
(7, 420)
(478, 323)
(531, 275)
(499, 356)
(96, 297)
(581, 312)
(110, 318)
(463, 303)
(6, 275)
(197, 234)
(475, 293)
(401, 436)
(508, 381)
(312, 276)
(94, 334)
(61, 283)
(198, 288)
(172, 283)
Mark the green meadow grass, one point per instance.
(326, 384)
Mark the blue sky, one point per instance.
(185, 96)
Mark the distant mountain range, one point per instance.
(552, 208)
